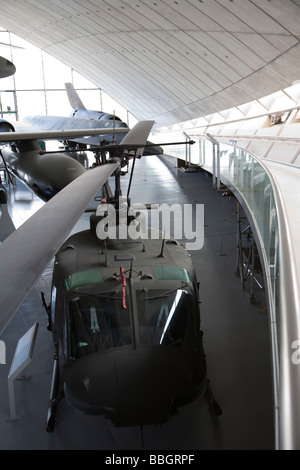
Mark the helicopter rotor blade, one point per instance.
(138, 135)
(26, 252)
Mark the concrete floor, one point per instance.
(236, 341)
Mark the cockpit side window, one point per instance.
(98, 323)
(53, 302)
(165, 317)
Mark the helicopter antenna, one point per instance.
(114, 128)
(161, 255)
(105, 254)
(130, 179)
(130, 272)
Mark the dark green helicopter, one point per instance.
(124, 314)
(124, 311)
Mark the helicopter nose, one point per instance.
(133, 387)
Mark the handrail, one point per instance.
(282, 286)
(289, 380)
(256, 185)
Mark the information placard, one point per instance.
(22, 357)
(23, 352)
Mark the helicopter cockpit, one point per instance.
(154, 317)
(98, 323)
(165, 316)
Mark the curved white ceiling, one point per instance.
(168, 60)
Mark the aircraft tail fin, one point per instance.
(73, 96)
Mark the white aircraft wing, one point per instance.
(57, 135)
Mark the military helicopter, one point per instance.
(124, 315)
(124, 312)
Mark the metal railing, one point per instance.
(257, 190)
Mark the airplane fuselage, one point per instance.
(97, 116)
(46, 174)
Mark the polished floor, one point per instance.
(236, 341)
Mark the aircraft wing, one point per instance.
(57, 135)
(26, 252)
(98, 129)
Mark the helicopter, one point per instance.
(124, 316)
(124, 312)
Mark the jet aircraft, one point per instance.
(47, 174)
(82, 118)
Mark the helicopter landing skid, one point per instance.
(213, 405)
(51, 422)
(55, 398)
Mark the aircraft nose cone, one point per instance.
(133, 387)
(53, 172)
(62, 169)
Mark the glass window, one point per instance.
(53, 302)
(164, 316)
(56, 74)
(38, 74)
(91, 99)
(31, 103)
(7, 105)
(58, 103)
(7, 83)
(29, 68)
(98, 323)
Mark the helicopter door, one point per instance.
(56, 312)
(165, 317)
(53, 302)
(98, 323)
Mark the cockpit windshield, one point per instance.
(98, 323)
(101, 322)
(165, 317)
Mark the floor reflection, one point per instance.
(22, 203)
